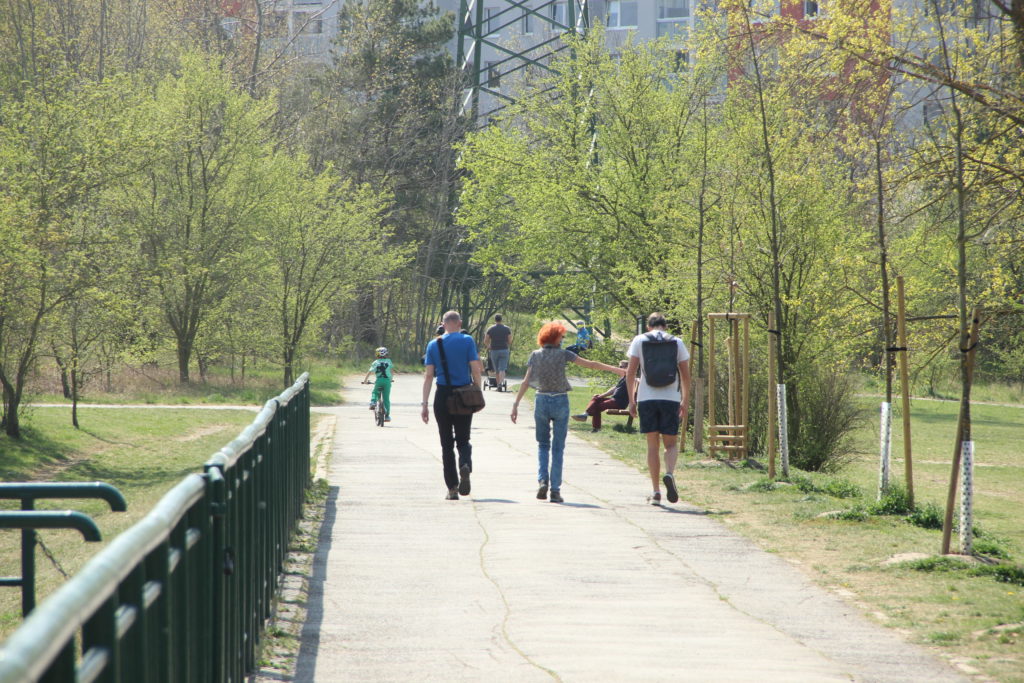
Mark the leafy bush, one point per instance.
(823, 414)
(992, 548)
(841, 488)
(762, 485)
(1006, 573)
(858, 513)
(837, 488)
(927, 516)
(894, 502)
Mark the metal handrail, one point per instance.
(26, 655)
(34, 490)
(28, 492)
(49, 519)
(182, 595)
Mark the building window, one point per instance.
(491, 21)
(673, 9)
(810, 8)
(673, 29)
(527, 22)
(558, 13)
(493, 76)
(310, 27)
(622, 14)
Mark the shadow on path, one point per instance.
(305, 667)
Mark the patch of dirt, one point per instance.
(904, 557)
(202, 432)
(50, 471)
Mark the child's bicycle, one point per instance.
(378, 413)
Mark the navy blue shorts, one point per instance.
(658, 416)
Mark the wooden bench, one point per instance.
(617, 411)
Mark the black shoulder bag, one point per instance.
(464, 400)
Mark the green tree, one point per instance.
(385, 114)
(192, 211)
(583, 191)
(323, 243)
(58, 147)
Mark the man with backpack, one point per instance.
(661, 398)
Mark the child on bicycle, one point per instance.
(383, 370)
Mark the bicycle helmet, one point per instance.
(382, 352)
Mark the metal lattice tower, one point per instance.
(507, 37)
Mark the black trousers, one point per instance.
(454, 431)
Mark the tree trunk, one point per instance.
(65, 386)
(12, 402)
(289, 364)
(184, 357)
(74, 395)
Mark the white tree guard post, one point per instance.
(884, 449)
(967, 497)
(780, 394)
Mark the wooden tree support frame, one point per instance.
(732, 437)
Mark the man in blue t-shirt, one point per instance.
(463, 363)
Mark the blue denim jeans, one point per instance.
(551, 416)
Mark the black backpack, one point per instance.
(660, 364)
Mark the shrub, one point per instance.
(992, 548)
(841, 488)
(837, 488)
(928, 516)
(762, 485)
(858, 513)
(894, 502)
(1006, 573)
(823, 414)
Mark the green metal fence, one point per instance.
(183, 594)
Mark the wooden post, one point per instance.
(947, 521)
(698, 393)
(904, 361)
(730, 344)
(771, 395)
(783, 429)
(745, 402)
(711, 378)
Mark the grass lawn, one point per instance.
(976, 620)
(142, 452)
(146, 385)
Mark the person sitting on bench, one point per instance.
(616, 398)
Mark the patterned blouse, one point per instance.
(547, 373)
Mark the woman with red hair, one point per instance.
(545, 372)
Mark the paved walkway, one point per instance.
(500, 586)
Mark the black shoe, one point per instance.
(556, 496)
(542, 492)
(453, 494)
(656, 499)
(670, 486)
(464, 480)
(582, 417)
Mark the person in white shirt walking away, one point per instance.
(661, 398)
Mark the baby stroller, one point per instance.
(491, 379)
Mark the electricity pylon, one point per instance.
(533, 33)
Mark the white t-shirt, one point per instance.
(646, 392)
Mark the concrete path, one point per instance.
(500, 586)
